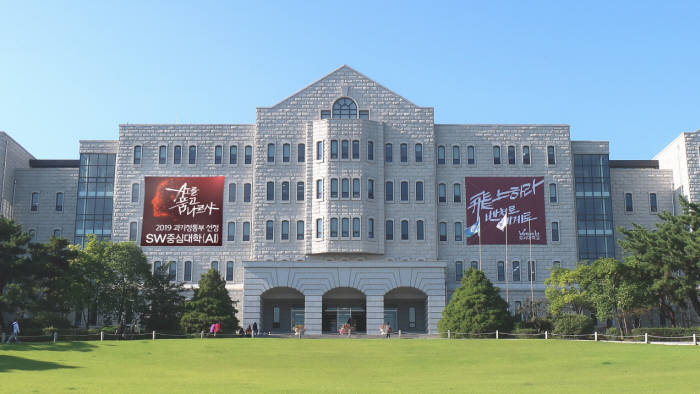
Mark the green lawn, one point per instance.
(350, 365)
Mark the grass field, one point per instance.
(348, 365)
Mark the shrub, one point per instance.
(573, 324)
(525, 333)
(109, 329)
(49, 330)
(539, 324)
(667, 331)
(613, 333)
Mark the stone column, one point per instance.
(252, 311)
(313, 305)
(435, 305)
(375, 313)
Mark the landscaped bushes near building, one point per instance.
(573, 324)
(667, 331)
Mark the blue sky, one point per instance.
(627, 72)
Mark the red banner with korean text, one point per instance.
(489, 198)
(184, 211)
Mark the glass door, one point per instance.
(391, 318)
(297, 317)
(343, 317)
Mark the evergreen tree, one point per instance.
(164, 304)
(210, 304)
(15, 266)
(475, 307)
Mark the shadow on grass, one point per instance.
(14, 363)
(51, 347)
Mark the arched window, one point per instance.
(172, 271)
(419, 191)
(270, 153)
(345, 227)
(233, 154)
(156, 267)
(218, 154)
(458, 231)
(334, 187)
(285, 191)
(420, 232)
(188, 271)
(441, 155)
(334, 227)
(270, 191)
(300, 191)
(162, 154)
(269, 230)
(215, 266)
(285, 230)
(516, 271)
(229, 271)
(389, 191)
(344, 108)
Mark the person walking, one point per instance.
(255, 328)
(217, 328)
(15, 332)
(211, 328)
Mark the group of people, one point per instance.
(14, 332)
(250, 331)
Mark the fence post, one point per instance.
(201, 334)
(595, 336)
(546, 334)
(448, 334)
(55, 335)
(154, 335)
(695, 339)
(400, 334)
(646, 338)
(496, 334)
(102, 336)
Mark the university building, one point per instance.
(345, 201)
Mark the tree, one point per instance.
(564, 294)
(14, 264)
(475, 307)
(89, 276)
(164, 304)
(127, 270)
(210, 303)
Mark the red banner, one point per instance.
(182, 211)
(489, 198)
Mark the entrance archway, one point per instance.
(342, 305)
(282, 308)
(405, 309)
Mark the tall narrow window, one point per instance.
(345, 149)
(334, 228)
(412, 317)
(442, 192)
(300, 230)
(269, 230)
(474, 265)
(301, 153)
(246, 192)
(233, 154)
(218, 154)
(344, 108)
(389, 191)
(285, 191)
(551, 158)
(531, 270)
(471, 158)
(370, 228)
(137, 154)
(356, 227)
(355, 150)
(555, 231)
(156, 266)
(370, 189)
(511, 154)
(443, 231)
(192, 159)
(248, 154)
(458, 231)
(388, 153)
(177, 154)
(334, 149)
(59, 202)
(188, 271)
(419, 191)
(334, 187)
(319, 150)
(419, 153)
(455, 155)
(389, 230)
(404, 230)
(516, 271)
(404, 191)
(162, 154)
(35, 202)
(32, 235)
(404, 153)
(270, 191)
(629, 207)
(133, 231)
(653, 207)
(246, 231)
(457, 192)
(553, 192)
(270, 153)
(172, 271)
(345, 189)
(441, 155)
(526, 155)
(231, 234)
(300, 191)
(215, 266)
(319, 228)
(285, 230)
(319, 189)
(345, 227)
(370, 150)
(555, 264)
(420, 231)
(496, 155)
(134, 192)
(229, 271)
(286, 153)
(356, 188)
(459, 271)
(501, 271)
(231, 192)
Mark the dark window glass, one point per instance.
(172, 271)
(496, 155)
(370, 228)
(501, 271)
(334, 149)
(300, 191)
(319, 150)
(404, 230)
(551, 159)
(231, 192)
(555, 231)
(246, 192)
(459, 271)
(470, 155)
(389, 191)
(133, 231)
(345, 227)
(419, 153)
(218, 154)
(404, 153)
(420, 232)
(137, 154)
(248, 154)
(334, 187)
(356, 227)
(652, 202)
(457, 192)
(135, 192)
(356, 188)
(526, 155)
(319, 189)
(270, 153)
(192, 159)
(215, 266)
(511, 154)
(441, 155)
(370, 189)
(442, 193)
(301, 153)
(531, 271)
(188, 271)
(370, 150)
(233, 154)
(516, 271)
(162, 154)
(334, 228)
(629, 207)
(270, 191)
(269, 230)
(345, 149)
(344, 108)
(319, 228)
(404, 191)
(345, 188)
(177, 154)
(355, 150)
(246, 231)
(455, 155)
(285, 230)
(286, 153)
(231, 234)
(443, 231)
(419, 191)
(300, 229)
(389, 230)
(553, 192)
(229, 271)
(156, 266)
(285, 191)
(474, 264)
(458, 231)
(325, 114)
(388, 153)
(364, 114)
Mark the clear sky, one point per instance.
(627, 72)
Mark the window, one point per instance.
(156, 266)
(370, 228)
(345, 223)
(325, 114)
(59, 202)
(248, 154)
(370, 189)
(345, 149)
(364, 114)
(300, 191)
(334, 149)
(455, 155)
(419, 191)
(177, 154)
(162, 154)
(300, 230)
(474, 264)
(270, 191)
(629, 207)
(553, 192)
(319, 150)
(233, 154)
(218, 154)
(555, 264)
(526, 155)
(286, 153)
(172, 271)
(356, 227)
(516, 271)
(334, 187)
(511, 155)
(231, 192)
(231, 234)
(32, 235)
(403, 150)
(229, 271)
(458, 231)
(57, 233)
(652, 202)
(355, 150)
(319, 189)
(192, 159)
(389, 191)
(470, 155)
(404, 191)
(133, 231)
(404, 230)
(137, 154)
(285, 191)
(135, 192)
(345, 188)
(441, 155)
(496, 155)
(270, 153)
(285, 230)
(269, 230)
(442, 193)
(319, 228)
(301, 153)
(501, 271)
(419, 153)
(215, 266)
(420, 231)
(388, 152)
(531, 270)
(412, 317)
(551, 158)
(389, 230)
(334, 228)
(246, 192)
(370, 150)
(459, 271)
(188, 271)
(555, 231)
(246, 231)
(344, 108)
(457, 192)
(443, 231)
(356, 188)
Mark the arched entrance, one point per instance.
(282, 308)
(405, 309)
(342, 305)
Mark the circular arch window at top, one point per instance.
(344, 108)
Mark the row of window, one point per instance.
(344, 108)
(58, 233)
(172, 267)
(34, 204)
(653, 204)
(511, 155)
(531, 274)
(177, 154)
